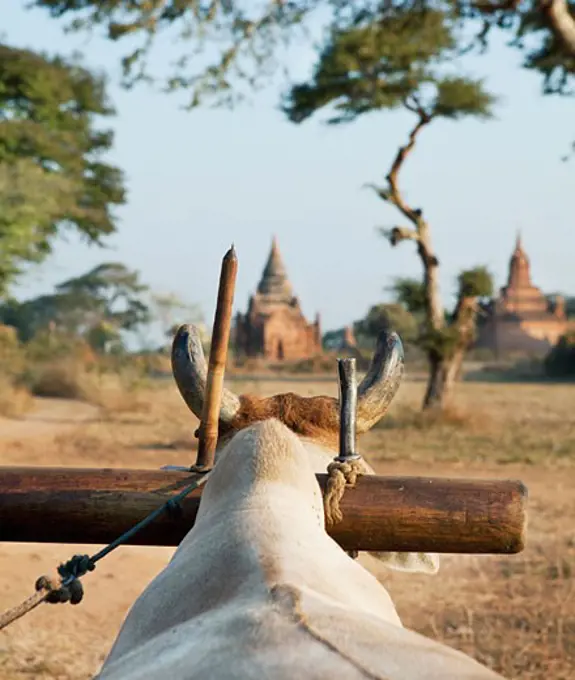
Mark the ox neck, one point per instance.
(267, 504)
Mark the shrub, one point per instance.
(62, 379)
(560, 362)
(11, 353)
(14, 398)
(55, 345)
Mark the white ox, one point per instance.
(257, 589)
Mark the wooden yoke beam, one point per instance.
(411, 514)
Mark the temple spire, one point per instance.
(274, 282)
(519, 270)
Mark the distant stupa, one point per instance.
(521, 318)
(274, 326)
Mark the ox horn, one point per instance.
(376, 391)
(190, 372)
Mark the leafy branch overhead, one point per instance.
(248, 38)
(29, 197)
(389, 64)
(52, 168)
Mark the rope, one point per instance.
(68, 587)
(341, 475)
(28, 605)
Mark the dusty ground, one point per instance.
(516, 614)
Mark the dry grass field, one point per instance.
(515, 614)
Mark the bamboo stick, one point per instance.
(208, 434)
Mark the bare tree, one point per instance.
(445, 339)
(379, 66)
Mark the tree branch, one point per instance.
(493, 7)
(559, 17)
(420, 234)
(395, 197)
(396, 235)
(561, 21)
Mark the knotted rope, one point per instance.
(341, 475)
(68, 587)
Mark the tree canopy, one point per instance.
(172, 311)
(399, 62)
(391, 317)
(29, 196)
(410, 293)
(52, 172)
(97, 306)
(241, 41)
(406, 313)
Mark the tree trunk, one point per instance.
(443, 374)
(561, 21)
(444, 370)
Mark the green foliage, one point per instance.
(477, 282)
(241, 39)
(547, 54)
(246, 41)
(410, 293)
(172, 311)
(96, 306)
(31, 316)
(459, 97)
(371, 67)
(439, 343)
(52, 173)
(104, 337)
(29, 196)
(108, 294)
(560, 362)
(332, 339)
(387, 64)
(390, 317)
(50, 345)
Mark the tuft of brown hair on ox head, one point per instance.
(311, 417)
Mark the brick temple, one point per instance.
(274, 326)
(521, 319)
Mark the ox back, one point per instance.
(257, 589)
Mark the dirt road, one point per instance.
(48, 417)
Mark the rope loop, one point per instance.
(341, 475)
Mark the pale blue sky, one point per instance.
(198, 181)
